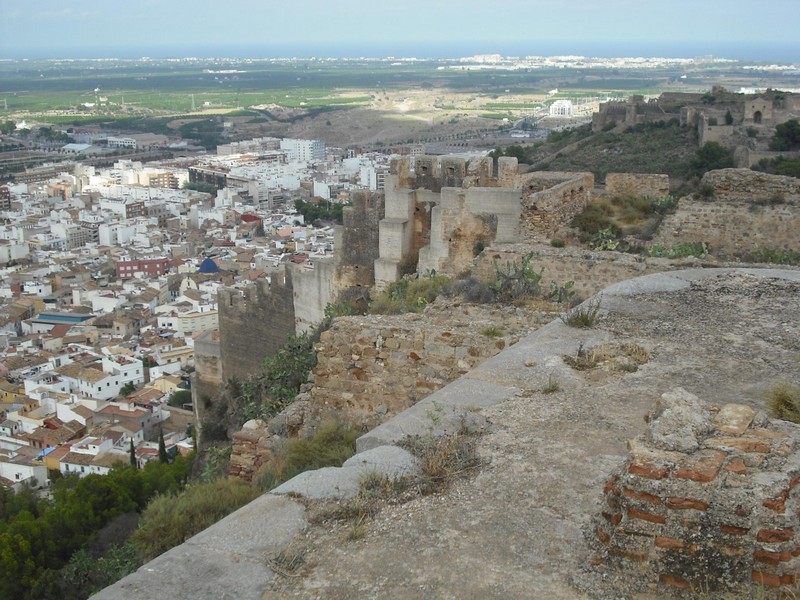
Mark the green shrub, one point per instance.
(557, 243)
(783, 402)
(170, 520)
(751, 132)
(778, 257)
(410, 295)
(584, 315)
(492, 331)
(680, 250)
(180, 397)
(332, 444)
(593, 218)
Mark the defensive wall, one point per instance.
(254, 323)
(747, 211)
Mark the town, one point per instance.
(110, 274)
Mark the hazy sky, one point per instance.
(730, 28)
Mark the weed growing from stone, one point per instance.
(289, 560)
(584, 315)
(552, 385)
(492, 331)
(443, 459)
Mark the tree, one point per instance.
(133, 455)
(163, 457)
(787, 136)
(728, 118)
(710, 157)
(127, 389)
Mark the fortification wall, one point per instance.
(254, 324)
(544, 212)
(313, 288)
(371, 368)
(591, 271)
(207, 379)
(749, 210)
(636, 184)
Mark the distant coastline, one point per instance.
(756, 52)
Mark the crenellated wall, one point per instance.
(254, 323)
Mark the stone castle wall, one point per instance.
(551, 200)
(749, 210)
(706, 500)
(637, 184)
(371, 368)
(254, 324)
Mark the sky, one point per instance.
(270, 28)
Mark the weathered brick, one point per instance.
(629, 554)
(777, 504)
(768, 579)
(686, 503)
(702, 466)
(673, 581)
(736, 466)
(745, 444)
(613, 518)
(733, 530)
(648, 469)
(646, 516)
(643, 496)
(603, 536)
(771, 558)
(775, 535)
(669, 543)
(611, 485)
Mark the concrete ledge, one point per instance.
(227, 560)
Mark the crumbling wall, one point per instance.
(637, 184)
(591, 271)
(371, 368)
(254, 324)
(207, 378)
(546, 209)
(748, 211)
(707, 500)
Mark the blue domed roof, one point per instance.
(208, 266)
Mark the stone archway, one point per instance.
(757, 116)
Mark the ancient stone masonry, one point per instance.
(437, 215)
(371, 368)
(707, 500)
(550, 200)
(637, 184)
(254, 323)
(749, 211)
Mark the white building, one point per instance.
(304, 151)
(561, 108)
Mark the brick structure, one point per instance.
(707, 499)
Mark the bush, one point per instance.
(170, 520)
(593, 218)
(680, 250)
(710, 157)
(410, 295)
(492, 331)
(783, 402)
(751, 132)
(332, 444)
(180, 397)
(787, 136)
(557, 243)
